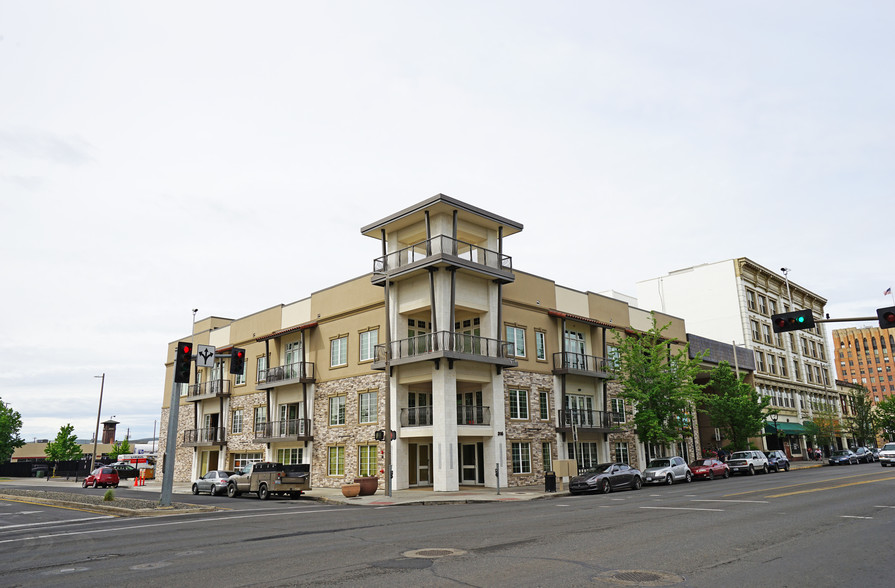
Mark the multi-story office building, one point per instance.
(732, 301)
(483, 370)
(864, 357)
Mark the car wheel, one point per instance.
(95, 485)
(195, 489)
(231, 491)
(786, 467)
(669, 479)
(607, 487)
(263, 493)
(114, 485)
(751, 470)
(638, 483)
(765, 469)
(726, 474)
(688, 477)
(84, 483)
(711, 475)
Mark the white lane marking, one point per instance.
(854, 517)
(5, 527)
(878, 506)
(682, 508)
(190, 521)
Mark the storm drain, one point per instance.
(433, 552)
(641, 578)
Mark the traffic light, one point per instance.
(237, 360)
(886, 317)
(182, 362)
(792, 321)
(379, 435)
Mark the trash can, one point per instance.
(550, 482)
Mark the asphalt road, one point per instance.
(817, 527)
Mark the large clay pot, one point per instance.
(350, 490)
(368, 485)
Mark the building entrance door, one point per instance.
(418, 460)
(472, 467)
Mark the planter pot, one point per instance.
(350, 490)
(368, 485)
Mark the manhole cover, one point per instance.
(433, 552)
(641, 578)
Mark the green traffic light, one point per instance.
(801, 319)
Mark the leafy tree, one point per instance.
(658, 378)
(65, 447)
(885, 415)
(124, 447)
(735, 407)
(823, 426)
(10, 424)
(862, 423)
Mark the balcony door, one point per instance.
(294, 357)
(580, 409)
(573, 345)
(469, 408)
(418, 342)
(289, 419)
(469, 335)
(419, 409)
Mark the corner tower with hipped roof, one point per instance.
(443, 269)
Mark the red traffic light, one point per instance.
(186, 349)
(886, 317)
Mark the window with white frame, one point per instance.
(541, 345)
(335, 460)
(589, 456)
(367, 410)
(367, 460)
(621, 453)
(290, 455)
(518, 404)
(618, 411)
(336, 410)
(368, 341)
(521, 458)
(261, 367)
(260, 418)
(516, 336)
(241, 459)
(338, 351)
(236, 421)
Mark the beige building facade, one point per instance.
(485, 373)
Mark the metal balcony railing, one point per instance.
(417, 416)
(209, 435)
(442, 245)
(208, 390)
(288, 429)
(300, 371)
(473, 415)
(446, 341)
(567, 360)
(590, 419)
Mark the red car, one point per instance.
(104, 476)
(710, 469)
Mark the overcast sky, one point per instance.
(157, 157)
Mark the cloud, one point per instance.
(35, 144)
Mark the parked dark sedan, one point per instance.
(865, 455)
(843, 457)
(709, 469)
(606, 477)
(125, 470)
(777, 460)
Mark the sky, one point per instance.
(157, 157)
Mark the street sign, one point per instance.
(205, 356)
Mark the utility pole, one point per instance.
(98, 412)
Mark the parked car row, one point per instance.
(607, 477)
(860, 455)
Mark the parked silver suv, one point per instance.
(667, 470)
(748, 462)
(887, 455)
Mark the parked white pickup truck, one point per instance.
(269, 478)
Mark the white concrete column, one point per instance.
(444, 430)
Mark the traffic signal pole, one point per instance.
(173, 416)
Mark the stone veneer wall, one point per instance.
(183, 459)
(532, 430)
(244, 442)
(349, 435)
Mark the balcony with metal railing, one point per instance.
(205, 437)
(421, 416)
(444, 250)
(446, 345)
(603, 421)
(212, 389)
(567, 362)
(284, 375)
(287, 430)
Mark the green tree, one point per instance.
(10, 424)
(861, 424)
(823, 426)
(658, 378)
(122, 448)
(735, 407)
(65, 447)
(885, 415)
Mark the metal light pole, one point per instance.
(98, 412)
(786, 271)
(774, 418)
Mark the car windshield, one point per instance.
(598, 469)
(741, 455)
(889, 447)
(701, 462)
(659, 463)
(843, 452)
